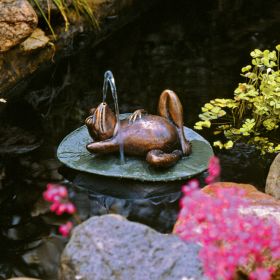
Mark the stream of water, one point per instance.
(109, 80)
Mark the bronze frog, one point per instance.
(160, 138)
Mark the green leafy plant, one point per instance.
(81, 7)
(253, 115)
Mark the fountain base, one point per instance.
(133, 189)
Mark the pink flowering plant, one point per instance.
(60, 204)
(231, 242)
(214, 170)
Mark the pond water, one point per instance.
(196, 52)
(195, 48)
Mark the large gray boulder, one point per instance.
(272, 186)
(17, 21)
(110, 247)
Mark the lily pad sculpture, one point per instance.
(159, 146)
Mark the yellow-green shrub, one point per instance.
(253, 115)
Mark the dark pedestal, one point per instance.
(152, 203)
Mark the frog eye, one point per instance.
(89, 120)
(92, 111)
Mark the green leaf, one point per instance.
(246, 68)
(247, 127)
(256, 53)
(228, 145)
(277, 148)
(270, 124)
(218, 144)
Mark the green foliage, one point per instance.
(81, 7)
(253, 115)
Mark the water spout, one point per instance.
(110, 81)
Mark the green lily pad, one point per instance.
(73, 153)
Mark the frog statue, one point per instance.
(160, 138)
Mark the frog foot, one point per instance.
(158, 158)
(136, 115)
(170, 107)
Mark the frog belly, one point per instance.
(149, 133)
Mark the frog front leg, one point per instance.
(158, 158)
(103, 147)
(136, 115)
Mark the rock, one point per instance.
(19, 136)
(44, 259)
(40, 207)
(272, 186)
(36, 40)
(110, 247)
(16, 64)
(262, 204)
(115, 7)
(23, 278)
(18, 20)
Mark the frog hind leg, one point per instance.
(160, 159)
(170, 107)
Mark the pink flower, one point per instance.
(48, 195)
(54, 206)
(51, 186)
(230, 238)
(55, 193)
(70, 208)
(192, 185)
(260, 274)
(65, 229)
(214, 170)
(58, 195)
(62, 192)
(60, 204)
(65, 208)
(61, 209)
